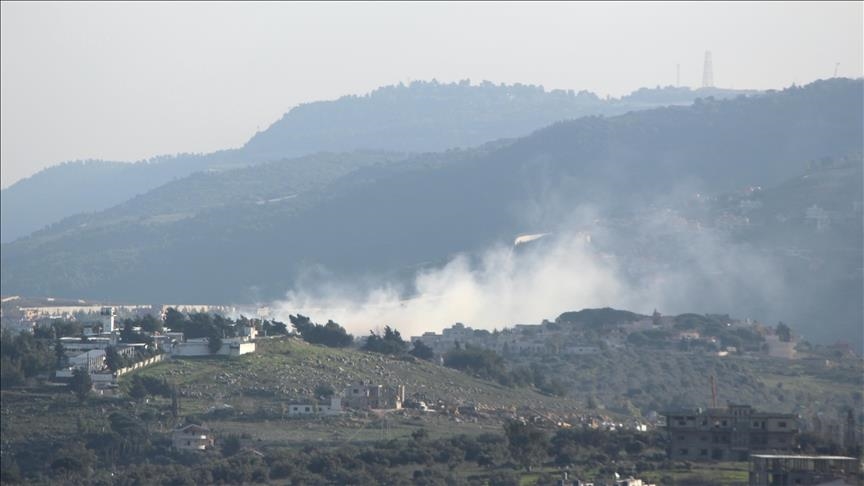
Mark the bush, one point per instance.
(330, 334)
(390, 343)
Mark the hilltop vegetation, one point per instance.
(416, 118)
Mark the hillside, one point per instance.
(386, 220)
(244, 401)
(416, 118)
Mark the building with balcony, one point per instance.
(728, 434)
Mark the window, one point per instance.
(683, 452)
(681, 422)
(307, 409)
(703, 452)
(723, 423)
(782, 425)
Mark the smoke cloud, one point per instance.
(658, 260)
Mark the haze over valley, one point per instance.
(432, 243)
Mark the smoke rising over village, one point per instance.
(641, 266)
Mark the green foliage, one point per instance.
(175, 320)
(137, 390)
(422, 351)
(273, 328)
(214, 344)
(73, 460)
(390, 343)
(331, 334)
(113, 360)
(23, 356)
(81, 384)
(150, 324)
(598, 318)
(783, 332)
(231, 445)
(324, 391)
(526, 442)
(483, 363)
(60, 353)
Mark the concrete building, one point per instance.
(787, 470)
(363, 395)
(78, 345)
(728, 434)
(201, 347)
(334, 407)
(192, 438)
(778, 348)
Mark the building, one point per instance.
(201, 347)
(192, 438)
(728, 434)
(777, 348)
(363, 395)
(332, 408)
(783, 470)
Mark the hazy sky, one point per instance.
(127, 81)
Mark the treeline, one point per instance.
(125, 444)
(205, 325)
(489, 365)
(331, 334)
(24, 356)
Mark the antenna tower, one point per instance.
(708, 72)
(836, 67)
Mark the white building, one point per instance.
(332, 408)
(201, 347)
(192, 438)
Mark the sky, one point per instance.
(129, 81)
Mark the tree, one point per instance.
(231, 445)
(174, 319)
(527, 443)
(272, 328)
(214, 343)
(422, 351)
(81, 383)
(330, 334)
(151, 324)
(390, 343)
(324, 391)
(113, 360)
(483, 363)
(783, 332)
(137, 390)
(60, 353)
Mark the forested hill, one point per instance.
(416, 118)
(388, 218)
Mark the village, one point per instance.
(110, 349)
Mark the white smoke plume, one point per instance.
(663, 262)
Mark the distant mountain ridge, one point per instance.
(416, 118)
(389, 218)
